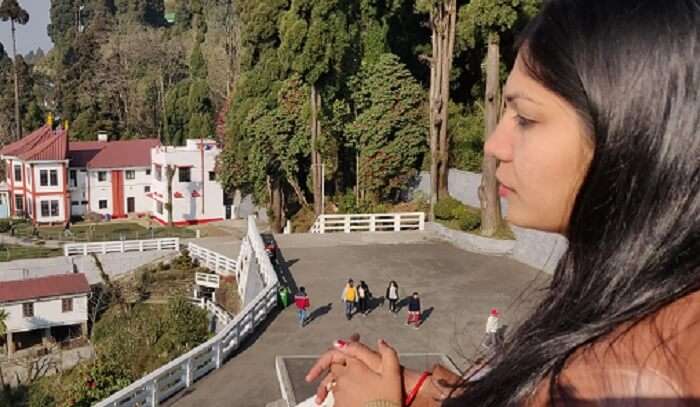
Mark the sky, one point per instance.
(30, 36)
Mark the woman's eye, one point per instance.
(523, 122)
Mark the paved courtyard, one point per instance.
(457, 290)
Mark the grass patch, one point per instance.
(9, 252)
(108, 231)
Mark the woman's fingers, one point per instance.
(389, 358)
(324, 387)
(362, 352)
(324, 363)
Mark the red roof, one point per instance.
(81, 152)
(27, 142)
(51, 286)
(53, 147)
(124, 153)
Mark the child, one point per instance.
(492, 326)
(301, 300)
(414, 315)
(349, 297)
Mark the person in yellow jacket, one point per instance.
(349, 297)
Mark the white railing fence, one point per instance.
(121, 246)
(180, 373)
(215, 262)
(222, 316)
(207, 280)
(371, 222)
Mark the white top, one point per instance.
(393, 293)
(360, 292)
(492, 325)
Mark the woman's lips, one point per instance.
(503, 190)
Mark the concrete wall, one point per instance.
(78, 192)
(48, 312)
(534, 248)
(100, 190)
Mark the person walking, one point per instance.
(414, 314)
(492, 327)
(349, 297)
(392, 294)
(362, 297)
(301, 300)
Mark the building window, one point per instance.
(159, 207)
(212, 176)
(103, 204)
(183, 174)
(67, 304)
(29, 206)
(73, 178)
(159, 172)
(18, 173)
(147, 189)
(54, 208)
(28, 309)
(148, 171)
(48, 177)
(45, 209)
(19, 203)
(53, 177)
(75, 203)
(102, 176)
(130, 174)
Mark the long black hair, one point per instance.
(631, 69)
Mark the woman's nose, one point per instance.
(499, 143)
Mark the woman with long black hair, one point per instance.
(600, 141)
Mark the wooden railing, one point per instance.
(215, 262)
(207, 280)
(122, 246)
(373, 222)
(179, 374)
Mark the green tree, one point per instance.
(389, 129)
(443, 22)
(144, 12)
(11, 11)
(316, 43)
(481, 23)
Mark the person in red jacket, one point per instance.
(301, 300)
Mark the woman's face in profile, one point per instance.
(544, 153)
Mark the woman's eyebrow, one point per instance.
(512, 97)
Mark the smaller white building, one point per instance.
(197, 195)
(42, 308)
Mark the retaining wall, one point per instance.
(532, 247)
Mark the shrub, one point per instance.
(4, 225)
(445, 208)
(469, 220)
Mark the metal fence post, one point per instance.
(154, 393)
(188, 373)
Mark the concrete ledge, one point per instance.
(472, 242)
(292, 369)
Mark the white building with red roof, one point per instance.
(37, 171)
(42, 308)
(51, 179)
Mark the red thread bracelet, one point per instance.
(416, 388)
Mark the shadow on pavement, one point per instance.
(318, 313)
